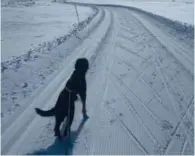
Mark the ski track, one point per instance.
(139, 94)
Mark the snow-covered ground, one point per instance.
(178, 10)
(28, 27)
(140, 88)
(40, 62)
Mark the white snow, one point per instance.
(178, 10)
(139, 86)
(36, 67)
(27, 27)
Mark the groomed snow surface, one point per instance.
(140, 97)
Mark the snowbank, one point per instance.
(25, 28)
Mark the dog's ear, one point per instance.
(82, 64)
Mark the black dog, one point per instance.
(64, 107)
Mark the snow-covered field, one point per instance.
(178, 10)
(37, 64)
(28, 27)
(140, 87)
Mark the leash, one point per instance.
(68, 120)
(69, 105)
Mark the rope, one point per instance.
(68, 119)
(69, 91)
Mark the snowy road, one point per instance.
(140, 94)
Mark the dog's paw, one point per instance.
(85, 117)
(67, 132)
(58, 136)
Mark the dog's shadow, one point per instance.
(61, 147)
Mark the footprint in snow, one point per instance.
(25, 85)
(112, 121)
(13, 93)
(110, 102)
(120, 114)
(188, 124)
(14, 98)
(166, 125)
(178, 136)
(17, 105)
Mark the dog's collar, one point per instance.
(70, 90)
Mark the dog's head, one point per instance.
(82, 64)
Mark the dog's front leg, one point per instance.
(69, 122)
(83, 99)
(57, 127)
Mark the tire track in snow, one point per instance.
(130, 91)
(100, 107)
(130, 51)
(151, 88)
(107, 83)
(184, 147)
(175, 130)
(165, 82)
(152, 137)
(148, 131)
(177, 51)
(132, 39)
(165, 86)
(141, 77)
(128, 131)
(156, 96)
(124, 127)
(122, 124)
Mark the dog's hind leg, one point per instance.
(57, 126)
(70, 118)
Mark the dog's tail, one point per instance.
(45, 113)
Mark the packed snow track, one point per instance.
(140, 94)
